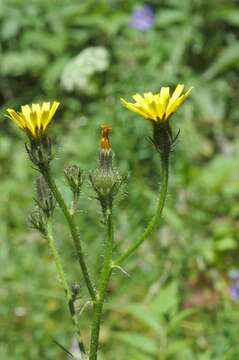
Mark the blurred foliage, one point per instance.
(175, 304)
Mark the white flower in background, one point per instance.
(78, 72)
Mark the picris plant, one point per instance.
(106, 181)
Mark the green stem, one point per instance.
(154, 220)
(68, 293)
(74, 232)
(103, 285)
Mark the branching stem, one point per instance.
(68, 293)
(74, 231)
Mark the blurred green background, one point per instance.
(180, 298)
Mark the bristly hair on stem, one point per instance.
(163, 141)
(104, 279)
(70, 219)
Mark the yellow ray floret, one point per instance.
(34, 119)
(158, 107)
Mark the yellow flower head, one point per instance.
(34, 119)
(158, 107)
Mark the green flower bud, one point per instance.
(75, 289)
(74, 178)
(38, 221)
(45, 200)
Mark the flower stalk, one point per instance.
(157, 109)
(102, 288)
(68, 293)
(70, 218)
(156, 217)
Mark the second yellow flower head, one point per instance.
(34, 119)
(158, 107)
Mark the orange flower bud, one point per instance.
(104, 142)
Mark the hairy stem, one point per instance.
(103, 285)
(154, 220)
(68, 293)
(74, 232)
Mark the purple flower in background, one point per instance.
(143, 18)
(234, 289)
(234, 293)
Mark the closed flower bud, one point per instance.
(75, 289)
(74, 178)
(105, 155)
(105, 180)
(106, 185)
(45, 199)
(38, 221)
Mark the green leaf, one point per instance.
(226, 244)
(179, 317)
(145, 315)
(51, 43)
(166, 301)
(178, 347)
(138, 341)
(135, 354)
(169, 17)
(228, 58)
(228, 14)
(16, 63)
